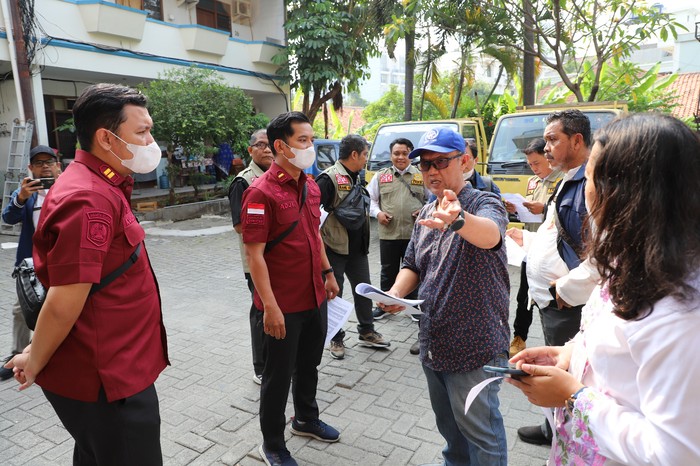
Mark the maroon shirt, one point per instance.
(86, 231)
(270, 206)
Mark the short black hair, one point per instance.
(281, 127)
(573, 121)
(102, 106)
(350, 143)
(473, 148)
(536, 145)
(404, 141)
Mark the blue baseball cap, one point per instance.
(443, 139)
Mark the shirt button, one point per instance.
(430, 355)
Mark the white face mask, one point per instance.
(145, 159)
(303, 158)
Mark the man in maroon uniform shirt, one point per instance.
(96, 353)
(280, 219)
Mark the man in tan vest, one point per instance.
(346, 248)
(397, 195)
(261, 159)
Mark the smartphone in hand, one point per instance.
(46, 183)
(511, 371)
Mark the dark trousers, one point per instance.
(356, 267)
(256, 331)
(560, 325)
(293, 359)
(391, 253)
(523, 313)
(124, 432)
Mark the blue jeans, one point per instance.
(479, 438)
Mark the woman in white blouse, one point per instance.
(626, 387)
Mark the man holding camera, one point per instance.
(25, 206)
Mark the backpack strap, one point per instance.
(115, 274)
(285, 233)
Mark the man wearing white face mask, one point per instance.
(101, 322)
(280, 220)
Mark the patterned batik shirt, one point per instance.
(465, 288)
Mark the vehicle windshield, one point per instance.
(380, 155)
(514, 132)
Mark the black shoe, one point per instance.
(378, 314)
(535, 436)
(415, 348)
(5, 373)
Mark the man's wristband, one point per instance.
(458, 222)
(327, 271)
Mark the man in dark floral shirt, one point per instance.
(457, 254)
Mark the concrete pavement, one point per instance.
(378, 399)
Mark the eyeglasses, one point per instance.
(261, 145)
(439, 163)
(43, 163)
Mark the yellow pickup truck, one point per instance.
(380, 156)
(507, 165)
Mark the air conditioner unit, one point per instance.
(187, 3)
(241, 10)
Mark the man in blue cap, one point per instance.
(25, 206)
(457, 255)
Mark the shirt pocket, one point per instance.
(134, 234)
(285, 216)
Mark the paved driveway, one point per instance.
(209, 403)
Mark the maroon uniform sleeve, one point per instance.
(73, 237)
(256, 215)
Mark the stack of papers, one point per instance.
(377, 295)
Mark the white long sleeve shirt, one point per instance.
(643, 377)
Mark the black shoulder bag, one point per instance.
(31, 294)
(352, 210)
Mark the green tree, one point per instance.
(194, 110)
(478, 30)
(567, 35)
(329, 42)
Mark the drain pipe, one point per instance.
(13, 58)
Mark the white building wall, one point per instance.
(75, 58)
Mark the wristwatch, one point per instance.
(572, 399)
(458, 222)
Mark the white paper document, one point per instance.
(524, 215)
(515, 253)
(377, 295)
(338, 314)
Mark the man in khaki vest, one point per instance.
(261, 159)
(347, 249)
(397, 195)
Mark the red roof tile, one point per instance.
(686, 91)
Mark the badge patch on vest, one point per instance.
(417, 179)
(532, 185)
(341, 179)
(386, 178)
(255, 214)
(99, 227)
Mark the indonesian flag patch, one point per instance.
(386, 178)
(255, 213)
